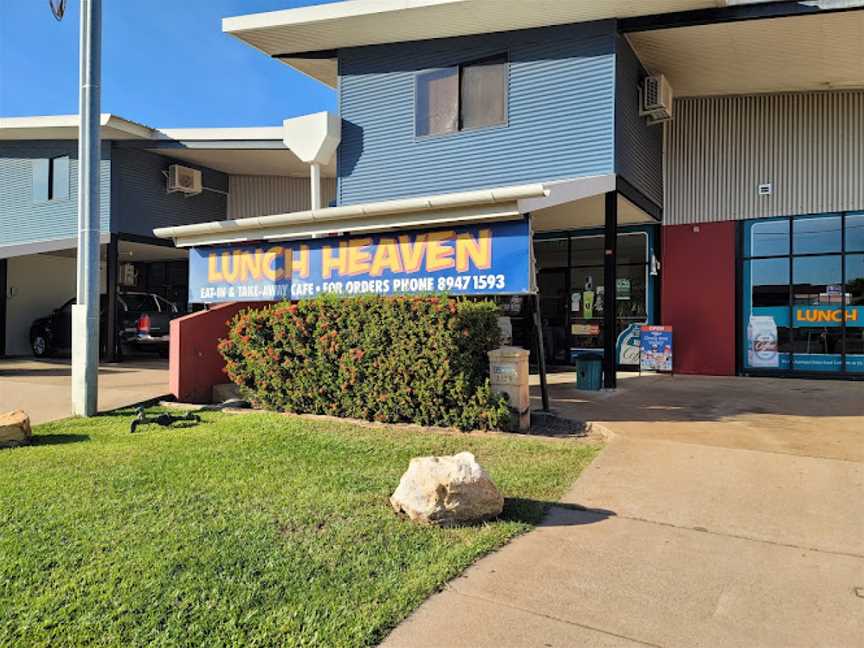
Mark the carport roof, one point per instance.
(239, 151)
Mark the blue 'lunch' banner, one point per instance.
(480, 259)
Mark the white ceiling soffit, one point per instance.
(43, 247)
(263, 162)
(353, 23)
(587, 213)
(813, 52)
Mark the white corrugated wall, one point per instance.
(265, 195)
(809, 147)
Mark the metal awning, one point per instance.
(560, 204)
(470, 206)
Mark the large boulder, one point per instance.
(14, 429)
(447, 491)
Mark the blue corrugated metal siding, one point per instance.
(638, 147)
(561, 114)
(142, 204)
(24, 221)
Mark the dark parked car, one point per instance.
(143, 322)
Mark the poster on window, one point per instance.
(655, 349)
(763, 352)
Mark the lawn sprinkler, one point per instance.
(164, 419)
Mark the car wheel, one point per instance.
(39, 345)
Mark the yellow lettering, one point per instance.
(359, 257)
(250, 265)
(852, 315)
(301, 261)
(439, 255)
(477, 251)
(386, 258)
(213, 273)
(231, 266)
(329, 262)
(268, 264)
(412, 253)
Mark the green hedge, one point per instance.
(390, 359)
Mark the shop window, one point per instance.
(631, 293)
(855, 232)
(769, 279)
(586, 251)
(51, 179)
(769, 238)
(855, 280)
(632, 248)
(816, 280)
(816, 235)
(551, 253)
(460, 97)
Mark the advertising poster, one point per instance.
(588, 304)
(628, 345)
(480, 259)
(655, 348)
(622, 289)
(762, 347)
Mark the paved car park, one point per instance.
(42, 387)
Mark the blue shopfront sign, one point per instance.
(479, 259)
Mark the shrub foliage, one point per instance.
(389, 359)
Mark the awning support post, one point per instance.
(610, 299)
(541, 353)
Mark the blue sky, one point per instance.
(166, 63)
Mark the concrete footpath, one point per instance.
(42, 388)
(679, 536)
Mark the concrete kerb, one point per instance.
(592, 431)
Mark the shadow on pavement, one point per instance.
(542, 513)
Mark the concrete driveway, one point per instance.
(721, 513)
(42, 387)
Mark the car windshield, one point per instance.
(139, 302)
(166, 306)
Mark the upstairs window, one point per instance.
(51, 179)
(462, 97)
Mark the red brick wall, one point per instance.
(195, 365)
(698, 296)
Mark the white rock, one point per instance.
(14, 429)
(446, 491)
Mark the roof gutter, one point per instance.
(352, 216)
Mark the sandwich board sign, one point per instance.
(655, 349)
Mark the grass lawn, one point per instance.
(246, 530)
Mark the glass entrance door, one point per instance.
(554, 314)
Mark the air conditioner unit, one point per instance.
(184, 180)
(656, 97)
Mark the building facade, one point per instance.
(243, 171)
(732, 215)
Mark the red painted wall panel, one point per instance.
(194, 364)
(698, 298)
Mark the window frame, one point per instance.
(747, 257)
(460, 128)
(50, 196)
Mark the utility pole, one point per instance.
(85, 313)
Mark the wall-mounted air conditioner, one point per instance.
(656, 96)
(184, 180)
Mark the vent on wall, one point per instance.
(656, 97)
